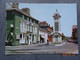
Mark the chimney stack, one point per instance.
(15, 5)
(26, 10)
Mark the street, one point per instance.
(41, 48)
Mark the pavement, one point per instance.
(42, 48)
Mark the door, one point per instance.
(22, 38)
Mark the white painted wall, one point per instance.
(44, 35)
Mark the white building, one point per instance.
(43, 34)
(57, 35)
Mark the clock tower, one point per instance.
(57, 35)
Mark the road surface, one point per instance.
(41, 48)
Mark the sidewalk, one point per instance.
(60, 44)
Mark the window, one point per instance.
(36, 29)
(30, 28)
(34, 22)
(56, 26)
(23, 27)
(27, 27)
(23, 17)
(28, 19)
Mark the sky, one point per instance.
(45, 12)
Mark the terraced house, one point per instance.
(21, 28)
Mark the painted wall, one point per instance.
(43, 35)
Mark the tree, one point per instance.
(63, 37)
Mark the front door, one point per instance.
(22, 38)
(29, 39)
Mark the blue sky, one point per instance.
(45, 11)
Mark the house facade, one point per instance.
(45, 26)
(74, 32)
(43, 35)
(21, 28)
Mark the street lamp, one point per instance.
(11, 25)
(11, 33)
